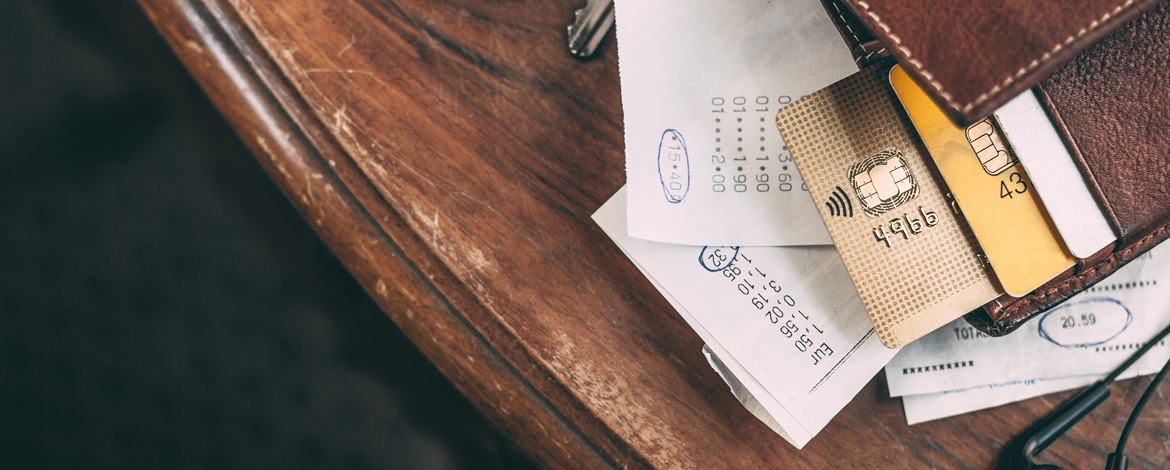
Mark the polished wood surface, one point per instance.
(451, 154)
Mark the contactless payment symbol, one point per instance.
(839, 204)
(882, 181)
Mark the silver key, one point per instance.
(590, 25)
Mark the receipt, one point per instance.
(741, 392)
(701, 84)
(785, 322)
(932, 406)
(1090, 334)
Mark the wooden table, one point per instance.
(451, 154)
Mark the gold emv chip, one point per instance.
(986, 141)
(882, 181)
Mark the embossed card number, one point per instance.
(908, 227)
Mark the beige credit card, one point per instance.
(913, 263)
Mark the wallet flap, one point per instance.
(972, 57)
(1112, 103)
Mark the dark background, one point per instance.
(163, 305)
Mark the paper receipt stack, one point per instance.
(814, 268)
(715, 212)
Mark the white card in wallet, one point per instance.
(785, 321)
(701, 84)
(1039, 148)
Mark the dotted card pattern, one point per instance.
(913, 275)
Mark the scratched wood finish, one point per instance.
(451, 153)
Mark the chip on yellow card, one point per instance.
(992, 191)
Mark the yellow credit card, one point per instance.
(992, 191)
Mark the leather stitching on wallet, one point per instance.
(869, 56)
(845, 24)
(1007, 81)
(1010, 311)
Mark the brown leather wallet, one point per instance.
(1102, 70)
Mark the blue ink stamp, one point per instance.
(1090, 322)
(716, 260)
(674, 166)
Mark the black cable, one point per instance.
(1117, 460)
(1046, 431)
(1138, 355)
(1137, 409)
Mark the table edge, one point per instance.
(291, 146)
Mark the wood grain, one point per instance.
(451, 153)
